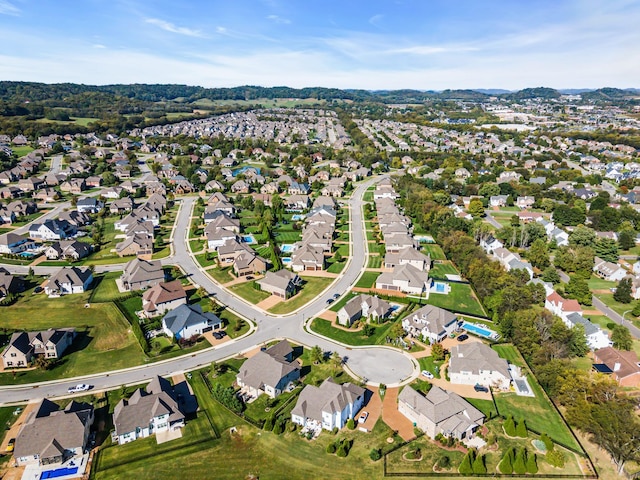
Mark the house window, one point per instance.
(14, 355)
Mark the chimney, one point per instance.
(616, 366)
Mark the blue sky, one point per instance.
(374, 44)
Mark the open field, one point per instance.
(310, 290)
(460, 299)
(247, 291)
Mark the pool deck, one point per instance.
(34, 472)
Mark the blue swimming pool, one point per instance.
(440, 287)
(59, 472)
(297, 217)
(480, 331)
(286, 248)
(286, 260)
(27, 254)
(248, 239)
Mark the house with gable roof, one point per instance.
(431, 323)
(476, 363)
(186, 321)
(328, 406)
(270, 371)
(162, 297)
(363, 306)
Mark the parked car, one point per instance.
(463, 337)
(329, 300)
(11, 445)
(81, 387)
(427, 373)
(363, 417)
(336, 296)
(480, 388)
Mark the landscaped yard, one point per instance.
(312, 287)
(431, 365)
(221, 275)
(105, 341)
(248, 451)
(354, 337)
(375, 261)
(538, 411)
(105, 288)
(441, 270)
(434, 250)
(460, 299)
(248, 291)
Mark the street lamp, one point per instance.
(623, 314)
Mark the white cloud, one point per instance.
(7, 8)
(376, 19)
(170, 27)
(98, 45)
(279, 19)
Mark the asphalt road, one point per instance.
(375, 364)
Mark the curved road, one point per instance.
(375, 364)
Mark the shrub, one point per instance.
(331, 448)
(509, 426)
(342, 451)
(351, 424)
(521, 429)
(444, 461)
(555, 458)
(375, 454)
(335, 430)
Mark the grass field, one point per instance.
(367, 280)
(247, 291)
(22, 151)
(220, 275)
(434, 250)
(312, 287)
(105, 288)
(375, 261)
(460, 299)
(440, 270)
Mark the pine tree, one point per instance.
(548, 443)
(521, 429)
(510, 426)
(506, 464)
(532, 464)
(478, 465)
(466, 467)
(520, 463)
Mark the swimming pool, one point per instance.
(248, 239)
(297, 217)
(286, 260)
(480, 331)
(59, 472)
(286, 248)
(440, 287)
(27, 254)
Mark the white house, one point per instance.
(596, 337)
(187, 321)
(476, 363)
(69, 280)
(329, 405)
(405, 278)
(490, 244)
(431, 323)
(608, 270)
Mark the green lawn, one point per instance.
(434, 250)
(105, 288)
(288, 237)
(312, 287)
(324, 327)
(433, 366)
(220, 275)
(247, 291)
(597, 283)
(197, 245)
(441, 270)
(22, 151)
(460, 299)
(538, 411)
(336, 267)
(201, 258)
(367, 280)
(375, 261)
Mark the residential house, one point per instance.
(13, 243)
(476, 363)
(121, 205)
(249, 263)
(363, 306)
(611, 272)
(405, 278)
(73, 185)
(440, 412)
(526, 216)
(490, 244)
(9, 283)
(162, 297)
(595, 336)
(138, 244)
(271, 371)
(560, 306)
(512, 261)
(153, 410)
(217, 237)
(46, 195)
(282, 283)
(186, 321)
(307, 258)
(74, 218)
(221, 219)
(50, 435)
(69, 280)
(525, 202)
(68, 250)
(141, 274)
(408, 256)
(89, 205)
(297, 203)
(623, 366)
(328, 406)
(52, 230)
(431, 323)
(24, 346)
